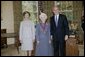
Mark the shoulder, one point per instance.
(21, 22)
(32, 22)
(62, 15)
(51, 17)
(48, 24)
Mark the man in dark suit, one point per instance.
(59, 31)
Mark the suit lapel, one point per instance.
(54, 21)
(59, 19)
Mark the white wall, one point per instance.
(8, 18)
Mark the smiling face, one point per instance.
(26, 15)
(55, 10)
(43, 17)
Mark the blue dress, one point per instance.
(44, 48)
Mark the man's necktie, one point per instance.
(56, 21)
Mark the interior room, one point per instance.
(11, 16)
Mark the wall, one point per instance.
(8, 18)
(17, 8)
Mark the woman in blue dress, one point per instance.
(43, 39)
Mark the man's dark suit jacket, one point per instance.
(61, 30)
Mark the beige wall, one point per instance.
(8, 18)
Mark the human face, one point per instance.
(43, 17)
(26, 15)
(55, 10)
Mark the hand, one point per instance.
(50, 41)
(21, 41)
(66, 37)
(51, 37)
(37, 42)
(33, 41)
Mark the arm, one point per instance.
(37, 34)
(66, 27)
(20, 33)
(33, 30)
(49, 34)
(51, 27)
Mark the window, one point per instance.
(66, 7)
(32, 7)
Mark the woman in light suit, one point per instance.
(27, 33)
